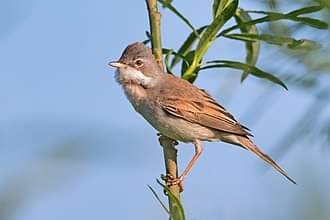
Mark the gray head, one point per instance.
(137, 65)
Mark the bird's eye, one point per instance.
(138, 62)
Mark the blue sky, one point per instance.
(72, 147)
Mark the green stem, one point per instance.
(170, 153)
(170, 158)
(154, 21)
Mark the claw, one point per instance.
(168, 177)
(171, 181)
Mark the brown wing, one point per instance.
(204, 110)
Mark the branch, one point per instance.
(154, 21)
(170, 153)
(170, 158)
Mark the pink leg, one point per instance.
(198, 152)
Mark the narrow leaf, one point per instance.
(185, 65)
(168, 5)
(291, 43)
(208, 37)
(203, 45)
(224, 7)
(275, 16)
(252, 48)
(178, 211)
(271, 13)
(252, 22)
(311, 22)
(306, 10)
(159, 200)
(271, 39)
(229, 9)
(216, 7)
(186, 46)
(242, 66)
(211, 31)
(304, 44)
(172, 52)
(167, 58)
(294, 13)
(145, 42)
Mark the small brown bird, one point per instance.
(178, 109)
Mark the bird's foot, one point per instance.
(171, 181)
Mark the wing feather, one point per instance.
(206, 112)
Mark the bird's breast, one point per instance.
(136, 94)
(176, 128)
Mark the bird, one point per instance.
(178, 109)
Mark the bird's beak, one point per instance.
(116, 64)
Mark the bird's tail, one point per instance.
(249, 145)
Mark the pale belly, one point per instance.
(174, 127)
(168, 125)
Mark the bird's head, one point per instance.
(137, 65)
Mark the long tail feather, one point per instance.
(249, 145)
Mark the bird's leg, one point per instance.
(173, 181)
(198, 152)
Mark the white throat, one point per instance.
(129, 74)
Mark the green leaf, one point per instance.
(168, 5)
(249, 23)
(306, 10)
(230, 7)
(168, 1)
(271, 39)
(275, 16)
(304, 44)
(242, 66)
(252, 48)
(185, 65)
(291, 43)
(159, 200)
(145, 42)
(172, 52)
(204, 43)
(208, 37)
(211, 31)
(311, 22)
(224, 7)
(294, 13)
(178, 212)
(167, 58)
(216, 7)
(186, 46)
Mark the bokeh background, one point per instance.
(72, 147)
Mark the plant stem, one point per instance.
(170, 153)
(170, 158)
(154, 21)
